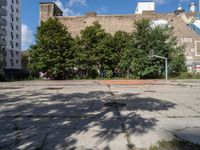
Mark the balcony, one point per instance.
(3, 2)
(3, 42)
(3, 12)
(3, 32)
(3, 22)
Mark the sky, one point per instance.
(30, 11)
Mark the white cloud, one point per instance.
(102, 10)
(27, 37)
(72, 2)
(66, 11)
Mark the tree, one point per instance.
(121, 41)
(53, 51)
(136, 61)
(96, 54)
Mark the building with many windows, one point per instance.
(3, 23)
(13, 37)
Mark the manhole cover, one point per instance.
(53, 88)
(114, 104)
(9, 88)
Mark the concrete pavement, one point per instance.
(97, 115)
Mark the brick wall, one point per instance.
(113, 23)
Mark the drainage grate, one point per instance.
(114, 104)
(53, 88)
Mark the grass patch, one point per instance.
(189, 76)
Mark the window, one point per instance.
(17, 19)
(11, 17)
(11, 53)
(11, 34)
(17, 44)
(17, 1)
(17, 62)
(12, 9)
(17, 36)
(11, 62)
(17, 27)
(17, 53)
(197, 48)
(11, 44)
(12, 1)
(17, 10)
(11, 25)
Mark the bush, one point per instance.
(191, 75)
(2, 77)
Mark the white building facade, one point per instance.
(3, 43)
(145, 6)
(13, 37)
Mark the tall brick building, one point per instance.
(112, 23)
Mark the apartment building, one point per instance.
(13, 37)
(3, 23)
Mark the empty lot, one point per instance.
(97, 115)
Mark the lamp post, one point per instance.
(166, 63)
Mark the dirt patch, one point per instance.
(10, 88)
(132, 82)
(53, 88)
(150, 91)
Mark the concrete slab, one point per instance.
(75, 117)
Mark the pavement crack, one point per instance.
(43, 142)
(17, 134)
(130, 145)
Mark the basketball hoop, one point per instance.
(151, 53)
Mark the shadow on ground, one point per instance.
(44, 120)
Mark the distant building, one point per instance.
(192, 7)
(3, 33)
(145, 7)
(13, 37)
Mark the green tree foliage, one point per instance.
(96, 54)
(52, 52)
(121, 41)
(25, 59)
(135, 60)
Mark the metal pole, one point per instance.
(166, 69)
(166, 65)
(29, 61)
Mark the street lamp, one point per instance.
(166, 62)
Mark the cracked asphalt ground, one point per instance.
(97, 115)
